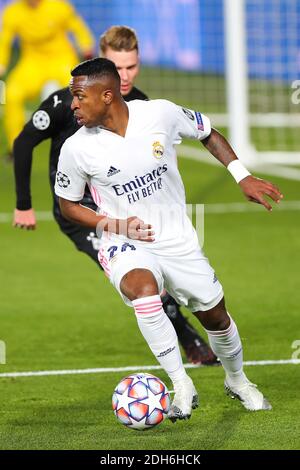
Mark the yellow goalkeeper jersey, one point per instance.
(43, 30)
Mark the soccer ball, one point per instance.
(141, 401)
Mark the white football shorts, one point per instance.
(188, 278)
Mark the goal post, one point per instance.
(236, 74)
(262, 48)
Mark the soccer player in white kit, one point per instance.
(125, 153)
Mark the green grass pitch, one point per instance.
(57, 311)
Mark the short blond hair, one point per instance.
(119, 38)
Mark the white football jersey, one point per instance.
(135, 175)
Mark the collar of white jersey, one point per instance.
(98, 129)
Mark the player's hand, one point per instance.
(136, 229)
(255, 190)
(24, 219)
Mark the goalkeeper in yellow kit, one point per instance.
(42, 27)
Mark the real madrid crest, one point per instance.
(158, 150)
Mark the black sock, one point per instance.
(185, 332)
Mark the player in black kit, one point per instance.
(55, 120)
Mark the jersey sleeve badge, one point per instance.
(200, 124)
(41, 120)
(189, 114)
(62, 179)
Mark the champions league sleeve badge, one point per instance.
(189, 114)
(41, 120)
(63, 180)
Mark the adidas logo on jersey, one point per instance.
(112, 171)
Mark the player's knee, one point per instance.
(216, 318)
(221, 322)
(139, 283)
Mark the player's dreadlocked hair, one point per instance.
(98, 67)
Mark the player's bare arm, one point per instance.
(133, 227)
(254, 189)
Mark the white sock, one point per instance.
(227, 346)
(160, 335)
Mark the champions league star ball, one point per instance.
(141, 401)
